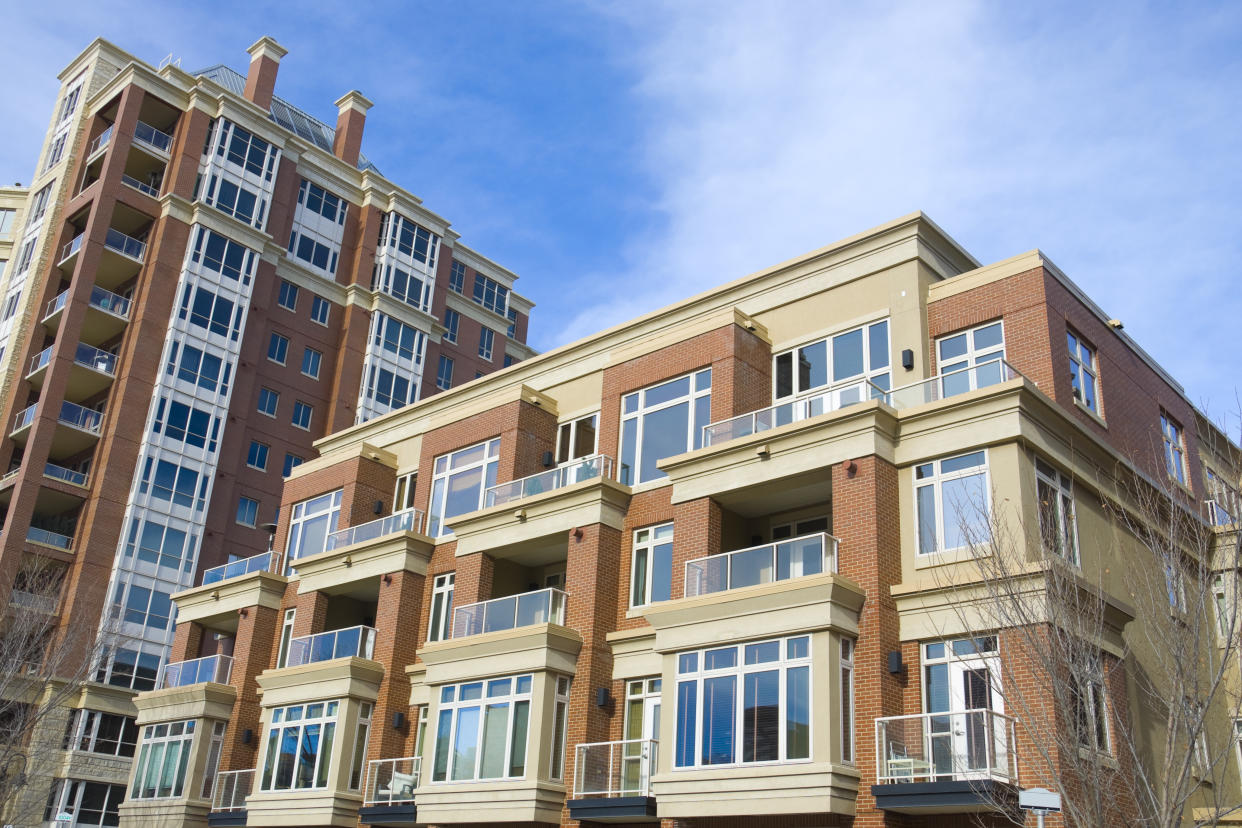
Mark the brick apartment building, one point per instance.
(201, 281)
(690, 570)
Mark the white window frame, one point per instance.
(440, 613)
(327, 505)
(318, 303)
(286, 635)
(445, 468)
(158, 740)
(452, 705)
(68, 800)
(444, 373)
(1096, 711)
(250, 511)
(84, 733)
(972, 358)
(214, 750)
(297, 717)
(560, 727)
(1174, 438)
(280, 344)
(645, 542)
(487, 342)
(316, 358)
(452, 323)
(403, 493)
(874, 372)
(302, 407)
(1084, 371)
(694, 429)
(936, 481)
(846, 648)
(1063, 511)
(567, 437)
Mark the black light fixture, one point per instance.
(247, 735)
(379, 507)
(601, 697)
(398, 720)
(907, 359)
(548, 460)
(894, 662)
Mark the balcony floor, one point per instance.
(397, 816)
(947, 797)
(625, 809)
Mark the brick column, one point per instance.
(312, 614)
(187, 642)
(252, 654)
(474, 579)
(697, 533)
(865, 519)
(400, 597)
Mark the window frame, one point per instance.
(444, 373)
(257, 455)
(305, 513)
(444, 468)
(441, 597)
(303, 414)
(1066, 531)
(1173, 437)
(567, 438)
(452, 323)
(277, 348)
(247, 512)
(1084, 359)
(315, 357)
(282, 719)
(320, 307)
(871, 372)
(287, 298)
(936, 482)
(270, 395)
(638, 416)
(487, 342)
(157, 741)
(646, 542)
(452, 705)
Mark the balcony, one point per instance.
(106, 316)
(144, 188)
(265, 562)
(407, 521)
(389, 793)
(612, 781)
(803, 408)
(100, 370)
(228, 797)
(347, 643)
(46, 537)
(151, 139)
(952, 384)
(544, 606)
(214, 668)
(575, 471)
(73, 478)
(45, 604)
(24, 419)
(127, 246)
(960, 762)
(69, 252)
(780, 561)
(99, 144)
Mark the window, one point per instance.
(214, 749)
(512, 316)
(399, 283)
(662, 421)
(1083, 371)
(247, 151)
(1196, 729)
(256, 457)
(452, 321)
(292, 461)
(360, 746)
(38, 204)
(387, 388)
(314, 253)
(403, 497)
(247, 511)
(320, 309)
(1175, 587)
(168, 481)
(858, 354)
(744, 703)
(577, 438)
(202, 369)
(147, 607)
(399, 339)
(509, 360)
(130, 668)
(1224, 504)
(1090, 713)
(1058, 526)
(560, 718)
(98, 732)
(320, 201)
(70, 104)
(951, 498)
(25, 256)
(651, 566)
(185, 424)
(491, 294)
(408, 239)
(7, 215)
(288, 298)
(56, 151)
(226, 257)
(277, 348)
(459, 481)
(457, 277)
(487, 339)
(211, 312)
(799, 528)
(312, 521)
(444, 373)
(958, 353)
(482, 729)
(310, 363)
(1174, 447)
(1222, 603)
(299, 747)
(847, 700)
(162, 762)
(158, 544)
(235, 200)
(268, 400)
(86, 803)
(302, 413)
(286, 635)
(441, 619)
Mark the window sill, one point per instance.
(1093, 415)
(1099, 757)
(962, 554)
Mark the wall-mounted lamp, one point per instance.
(907, 359)
(247, 736)
(894, 662)
(577, 533)
(602, 698)
(379, 507)
(387, 578)
(763, 452)
(398, 720)
(520, 514)
(850, 467)
(243, 612)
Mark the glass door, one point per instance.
(642, 728)
(964, 740)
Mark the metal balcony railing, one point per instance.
(231, 790)
(392, 781)
(353, 641)
(24, 417)
(410, 520)
(943, 386)
(40, 360)
(71, 247)
(103, 139)
(615, 768)
(10, 475)
(97, 360)
(37, 603)
(104, 300)
(792, 411)
(542, 606)
(575, 471)
(72, 414)
(146, 134)
(940, 747)
(48, 538)
(778, 561)
(214, 668)
(57, 304)
(140, 186)
(61, 473)
(125, 245)
(265, 562)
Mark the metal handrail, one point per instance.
(392, 781)
(140, 186)
(33, 601)
(24, 417)
(622, 768)
(352, 641)
(542, 606)
(952, 383)
(410, 520)
(764, 564)
(957, 745)
(231, 789)
(61, 473)
(104, 300)
(821, 401)
(101, 141)
(127, 246)
(566, 474)
(152, 137)
(72, 414)
(264, 562)
(40, 360)
(72, 246)
(48, 538)
(214, 668)
(95, 358)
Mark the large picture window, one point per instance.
(482, 729)
(313, 520)
(162, 760)
(458, 483)
(662, 421)
(861, 353)
(951, 500)
(744, 703)
(1058, 527)
(299, 746)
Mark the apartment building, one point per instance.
(697, 569)
(205, 280)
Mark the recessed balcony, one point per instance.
(765, 564)
(543, 606)
(69, 253)
(410, 520)
(954, 762)
(149, 139)
(350, 642)
(567, 474)
(107, 314)
(99, 144)
(77, 428)
(823, 401)
(389, 793)
(214, 668)
(46, 537)
(64, 475)
(92, 371)
(612, 781)
(122, 258)
(140, 186)
(34, 602)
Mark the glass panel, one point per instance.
(664, 435)
(926, 497)
(798, 712)
(443, 727)
(847, 355)
(687, 716)
(662, 572)
(668, 391)
(521, 723)
(719, 698)
(965, 512)
(466, 745)
(813, 366)
(877, 344)
(495, 734)
(761, 716)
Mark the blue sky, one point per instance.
(620, 156)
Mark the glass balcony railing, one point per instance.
(100, 142)
(71, 247)
(11, 474)
(778, 561)
(57, 304)
(140, 186)
(146, 134)
(392, 781)
(266, 562)
(213, 668)
(104, 300)
(544, 606)
(792, 411)
(615, 768)
(40, 360)
(72, 414)
(49, 538)
(45, 604)
(231, 789)
(353, 641)
(91, 357)
(24, 417)
(575, 471)
(125, 245)
(952, 383)
(943, 747)
(410, 520)
(61, 473)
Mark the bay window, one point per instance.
(744, 703)
(482, 729)
(458, 483)
(662, 421)
(299, 746)
(951, 501)
(162, 760)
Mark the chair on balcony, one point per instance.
(401, 786)
(903, 766)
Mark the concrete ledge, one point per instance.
(344, 568)
(614, 809)
(756, 790)
(302, 808)
(542, 647)
(207, 700)
(353, 677)
(475, 802)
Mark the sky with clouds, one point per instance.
(620, 156)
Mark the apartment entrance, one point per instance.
(642, 729)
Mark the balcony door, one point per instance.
(642, 729)
(965, 739)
